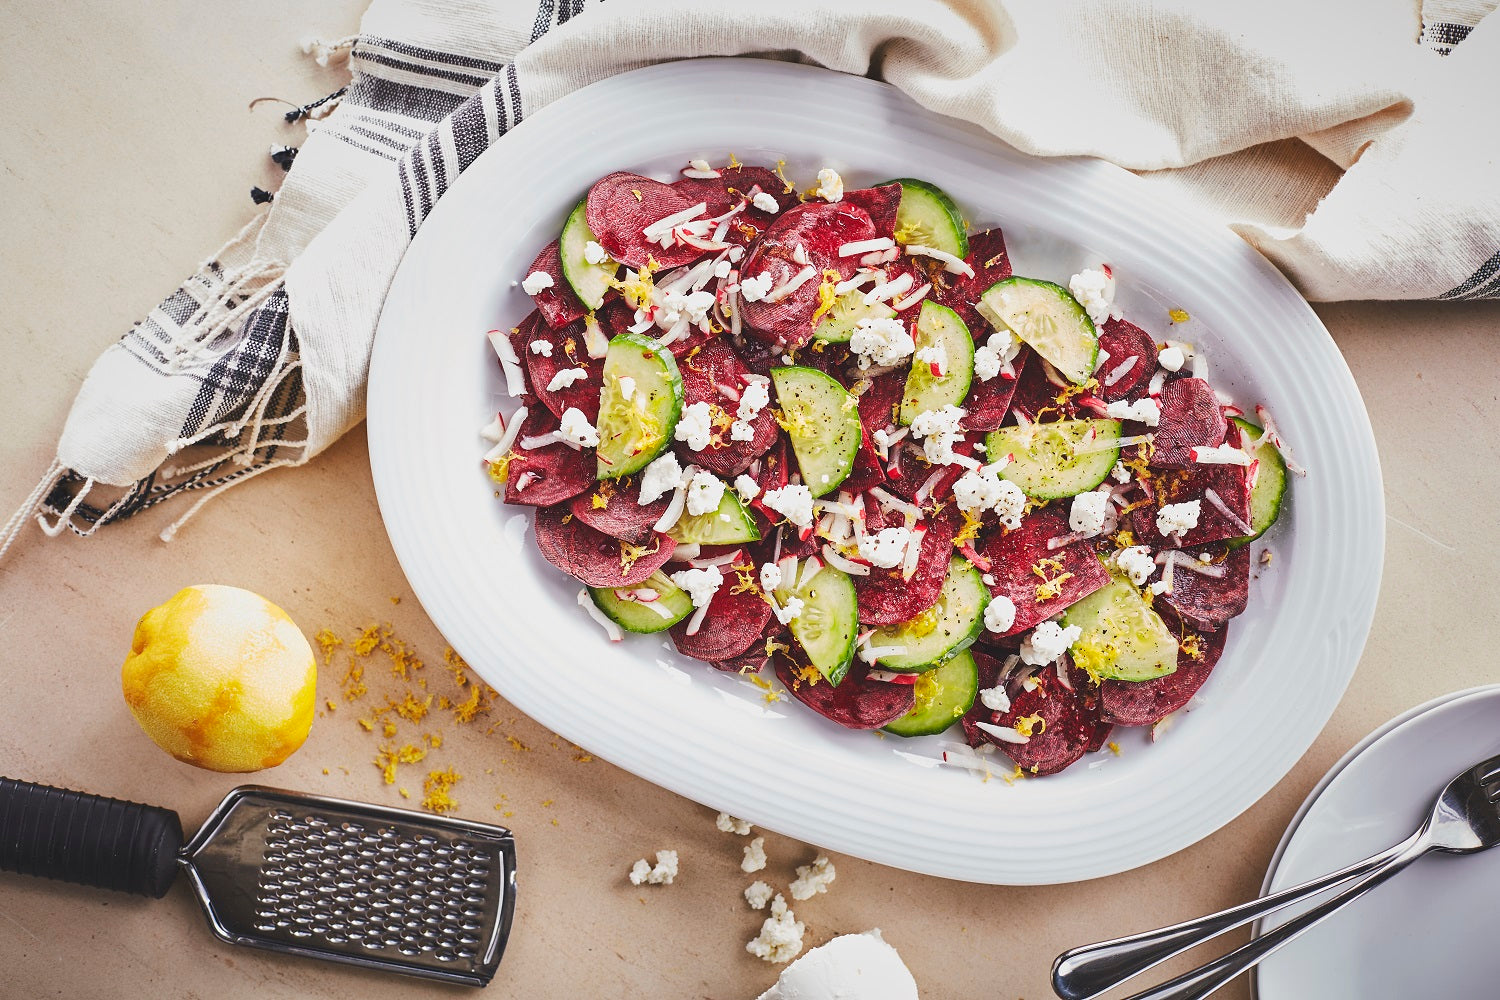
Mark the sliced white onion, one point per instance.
(952, 264)
(610, 628)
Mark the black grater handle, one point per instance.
(89, 839)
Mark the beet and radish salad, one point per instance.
(830, 432)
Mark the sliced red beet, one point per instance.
(886, 598)
(880, 203)
(989, 401)
(621, 205)
(773, 470)
(816, 230)
(1231, 483)
(1068, 727)
(615, 317)
(1124, 341)
(541, 477)
(1142, 703)
(916, 472)
(568, 351)
(1036, 397)
(557, 303)
(991, 262)
(877, 404)
(592, 556)
(857, 702)
(1190, 417)
(614, 508)
(721, 194)
(750, 663)
(734, 623)
(867, 471)
(1021, 564)
(715, 364)
(1101, 735)
(1207, 602)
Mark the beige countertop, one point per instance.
(127, 155)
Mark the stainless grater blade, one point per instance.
(368, 885)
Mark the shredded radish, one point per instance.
(1120, 370)
(1062, 675)
(1188, 562)
(789, 286)
(729, 392)
(861, 278)
(509, 437)
(657, 607)
(724, 560)
(952, 264)
(1053, 544)
(894, 503)
(788, 566)
(929, 484)
(776, 549)
(525, 480)
(1230, 515)
(913, 553)
(917, 295)
(892, 677)
(541, 440)
(594, 340)
(664, 226)
(733, 302)
(697, 620)
(702, 175)
(880, 257)
(610, 628)
(515, 381)
(811, 567)
(872, 653)
(842, 564)
(1153, 388)
(1005, 734)
(966, 759)
(674, 510)
(980, 562)
(1222, 455)
(889, 289)
(866, 246)
(1112, 443)
(1270, 433)
(685, 552)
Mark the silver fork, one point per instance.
(1464, 819)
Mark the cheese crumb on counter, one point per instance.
(758, 894)
(662, 873)
(729, 824)
(812, 879)
(780, 938)
(755, 856)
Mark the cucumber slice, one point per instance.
(1123, 638)
(829, 621)
(1046, 316)
(1046, 463)
(728, 524)
(838, 326)
(1270, 485)
(822, 419)
(928, 218)
(633, 432)
(938, 326)
(638, 616)
(944, 694)
(590, 281)
(943, 631)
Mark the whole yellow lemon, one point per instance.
(221, 678)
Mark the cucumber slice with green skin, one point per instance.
(822, 420)
(633, 432)
(639, 616)
(1269, 488)
(944, 694)
(838, 326)
(928, 218)
(728, 524)
(590, 281)
(1123, 638)
(938, 326)
(829, 621)
(943, 631)
(1046, 316)
(1045, 463)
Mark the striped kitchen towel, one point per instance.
(1351, 141)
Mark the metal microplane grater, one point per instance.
(301, 874)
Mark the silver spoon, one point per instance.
(1464, 819)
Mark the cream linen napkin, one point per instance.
(1353, 142)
